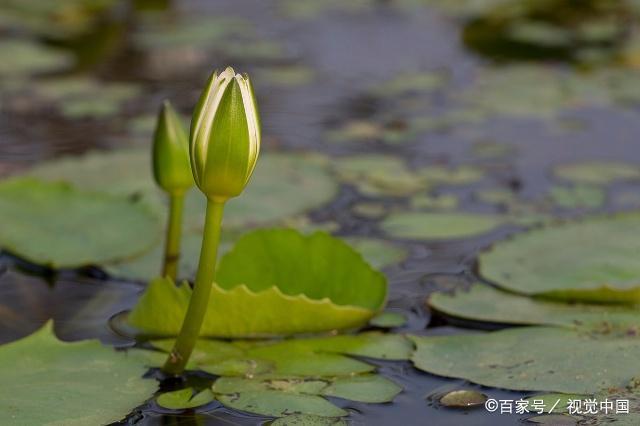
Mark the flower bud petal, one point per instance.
(171, 165)
(225, 136)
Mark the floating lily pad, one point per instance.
(286, 76)
(307, 9)
(283, 186)
(56, 225)
(278, 404)
(532, 358)
(378, 253)
(411, 83)
(21, 57)
(308, 420)
(53, 382)
(304, 357)
(379, 175)
(462, 175)
(581, 196)
(388, 319)
(368, 388)
(597, 172)
(320, 282)
(184, 399)
(439, 226)
(592, 260)
(437, 202)
(485, 303)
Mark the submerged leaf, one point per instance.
(48, 381)
(56, 225)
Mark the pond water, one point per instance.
(327, 73)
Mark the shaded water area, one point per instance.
(318, 67)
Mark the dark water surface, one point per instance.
(350, 53)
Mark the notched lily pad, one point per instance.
(597, 172)
(278, 404)
(318, 281)
(53, 382)
(589, 260)
(56, 225)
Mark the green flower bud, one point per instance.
(225, 136)
(171, 166)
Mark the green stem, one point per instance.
(172, 244)
(201, 290)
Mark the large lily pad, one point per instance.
(52, 382)
(321, 283)
(56, 225)
(593, 260)
(31, 58)
(439, 226)
(532, 358)
(283, 186)
(485, 303)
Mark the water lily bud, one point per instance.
(225, 136)
(171, 165)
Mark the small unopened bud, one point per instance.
(171, 165)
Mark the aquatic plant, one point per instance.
(172, 173)
(223, 145)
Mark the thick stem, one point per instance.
(172, 243)
(201, 290)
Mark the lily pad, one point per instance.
(388, 319)
(379, 253)
(597, 172)
(581, 196)
(304, 357)
(485, 303)
(368, 388)
(283, 186)
(31, 58)
(532, 358)
(184, 399)
(439, 226)
(278, 404)
(55, 382)
(308, 420)
(320, 282)
(56, 225)
(589, 260)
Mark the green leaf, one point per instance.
(581, 196)
(590, 260)
(308, 420)
(463, 399)
(320, 282)
(56, 225)
(307, 357)
(439, 226)
(47, 381)
(485, 303)
(319, 266)
(28, 57)
(388, 319)
(278, 404)
(368, 388)
(292, 385)
(184, 399)
(532, 358)
(379, 253)
(283, 186)
(597, 172)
